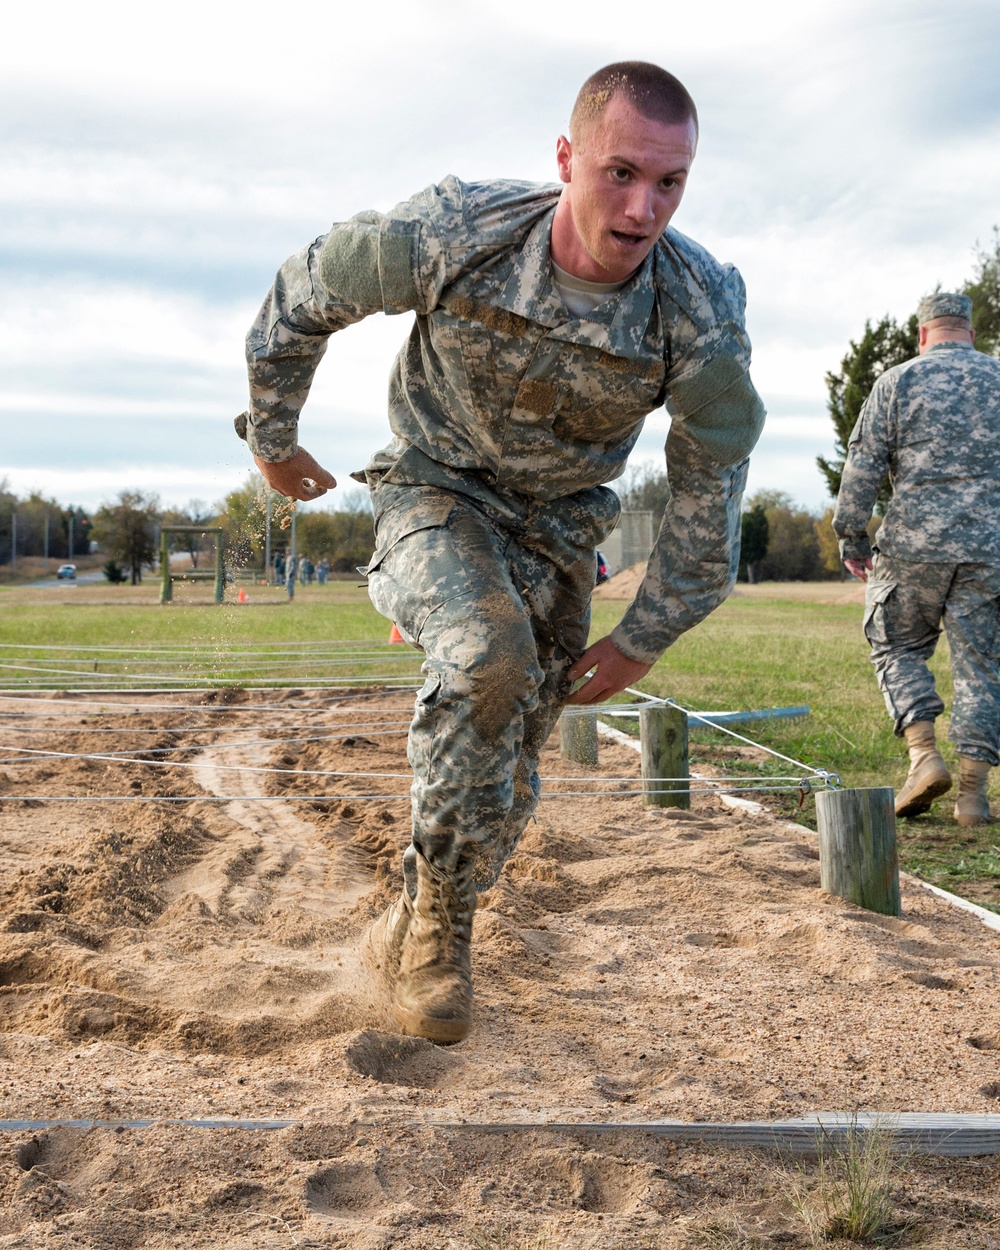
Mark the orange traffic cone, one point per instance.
(395, 635)
(242, 596)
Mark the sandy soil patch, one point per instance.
(198, 959)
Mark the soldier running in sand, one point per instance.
(550, 320)
(933, 423)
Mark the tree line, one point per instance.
(781, 541)
(127, 529)
(40, 527)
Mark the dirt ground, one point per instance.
(198, 959)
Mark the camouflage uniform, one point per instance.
(508, 416)
(933, 424)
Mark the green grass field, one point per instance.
(107, 616)
(773, 649)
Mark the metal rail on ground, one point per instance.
(940, 1134)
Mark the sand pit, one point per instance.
(198, 959)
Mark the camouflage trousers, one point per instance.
(906, 605)
(496, 591)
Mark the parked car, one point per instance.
(602, 569)
(66, 570)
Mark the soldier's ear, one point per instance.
(564, 158)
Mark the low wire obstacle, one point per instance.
(183, 665)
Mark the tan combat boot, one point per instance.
(928, 776)
(973, 807)
(382, 944)
(434, 986)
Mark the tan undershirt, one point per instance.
(582, 297)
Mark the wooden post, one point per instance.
(167, 578)
(166, 585)
(857, 847)
(664, 733)
(220, 570)
(291, 561)
(578, 737)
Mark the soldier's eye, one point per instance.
(621, 175)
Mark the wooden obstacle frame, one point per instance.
(215, 575)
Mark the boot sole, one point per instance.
(919, 803)
(444, 1032)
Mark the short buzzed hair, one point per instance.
(948, 323)
(653, 92)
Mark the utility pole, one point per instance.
(46, 540)
(292, 562)
(267, 540)
(13, 544)
(70, 534)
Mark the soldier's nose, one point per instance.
(640, 208)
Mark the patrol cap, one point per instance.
(944, 304)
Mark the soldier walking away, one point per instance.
(933, 424)
(550, 320)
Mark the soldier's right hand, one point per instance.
(301, 477)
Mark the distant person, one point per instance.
(933, 424)
(322, 571)
(550, 320)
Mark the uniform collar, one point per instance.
(617, 326)
(950, 345)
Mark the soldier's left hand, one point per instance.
(613, 671)
(859, 568)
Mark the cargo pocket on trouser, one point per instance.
(902, 632)
(571, 626)
(877, 617)
(394, 582)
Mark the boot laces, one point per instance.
(455, 897)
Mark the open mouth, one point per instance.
(628, 240)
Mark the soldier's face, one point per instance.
(625, 176)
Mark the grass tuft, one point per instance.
(727, 1232)
(851, 1197)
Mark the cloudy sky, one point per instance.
(159, 161)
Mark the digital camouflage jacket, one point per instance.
(933, 424)
(498, 380)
